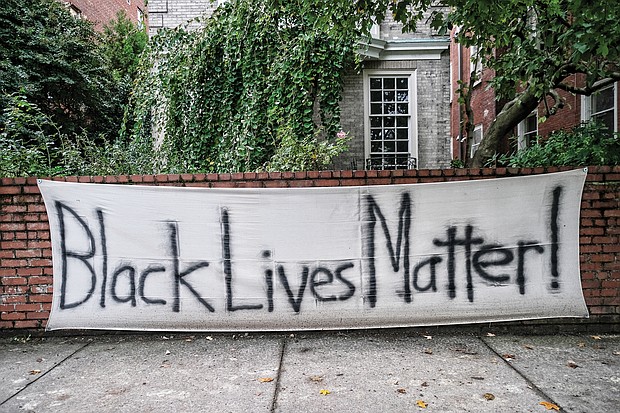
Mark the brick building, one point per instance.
(602, 106)
(397, 110)
(102, 11)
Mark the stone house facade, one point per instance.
(397, 110)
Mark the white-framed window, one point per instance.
(390, 120)
(476, 139)
(140, 18)
(527, 131)
(475, 64)
(603, 107)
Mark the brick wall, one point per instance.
(25, 248)
(101, 12)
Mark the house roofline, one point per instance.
(403, 49)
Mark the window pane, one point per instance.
(402, 83)
(375, 108)
(388, 121)
(389, 96)
(375, 96)
(606, 118)
(604, 100)
(389, 134)
(402, 121)
(375, 121)
(388, 108)
(531, 124)
(375, 146)
(389, 146)
(375, 83)
(402, 146)
(389, 83)
(402, 134)
(375, 134)
(403, 108)
(402, 96)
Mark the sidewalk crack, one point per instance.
(45, 373)
(530, 383)
(276, 392)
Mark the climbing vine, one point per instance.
(221, 97)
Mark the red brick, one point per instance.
(37, 226)
(40, 298)
(27, 253)
(24, 308)
(12, 316)
(27, 324)
(12, 226)
(14, 281)
(14, 245)
(298, 183)
(14, 263)
(39, 315)
(10, 190)
(592, 231)
(327, 182)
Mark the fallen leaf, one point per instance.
(582, 344)
(490, 335)
(265, 379)
(421, 403)
(424, 384)
(401, 390)
(508, 357)
(316, 378)
(209, 338)
(595, 337)
(550, 406)
(529, 347)
(428, 337)
(167, 352)
(616, 353)
(477, 377)
(572, 364)
(33, 372)
(324, 392)
(488, 396)
(428, 351)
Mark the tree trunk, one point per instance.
(511, 114)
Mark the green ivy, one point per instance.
(229, 95)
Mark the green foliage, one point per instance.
(587, 144)
(307, 153)
(231, 95)
(53, 60)
(122, 43)
(49, 152)
(533, 48)
(63, 89)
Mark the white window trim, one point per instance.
(474, 146)
(413, 108)
(521, 144)
(586, 107)
(475, 64)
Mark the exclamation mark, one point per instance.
(555, 209)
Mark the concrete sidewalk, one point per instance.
(402, 370)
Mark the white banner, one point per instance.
(168, 258)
